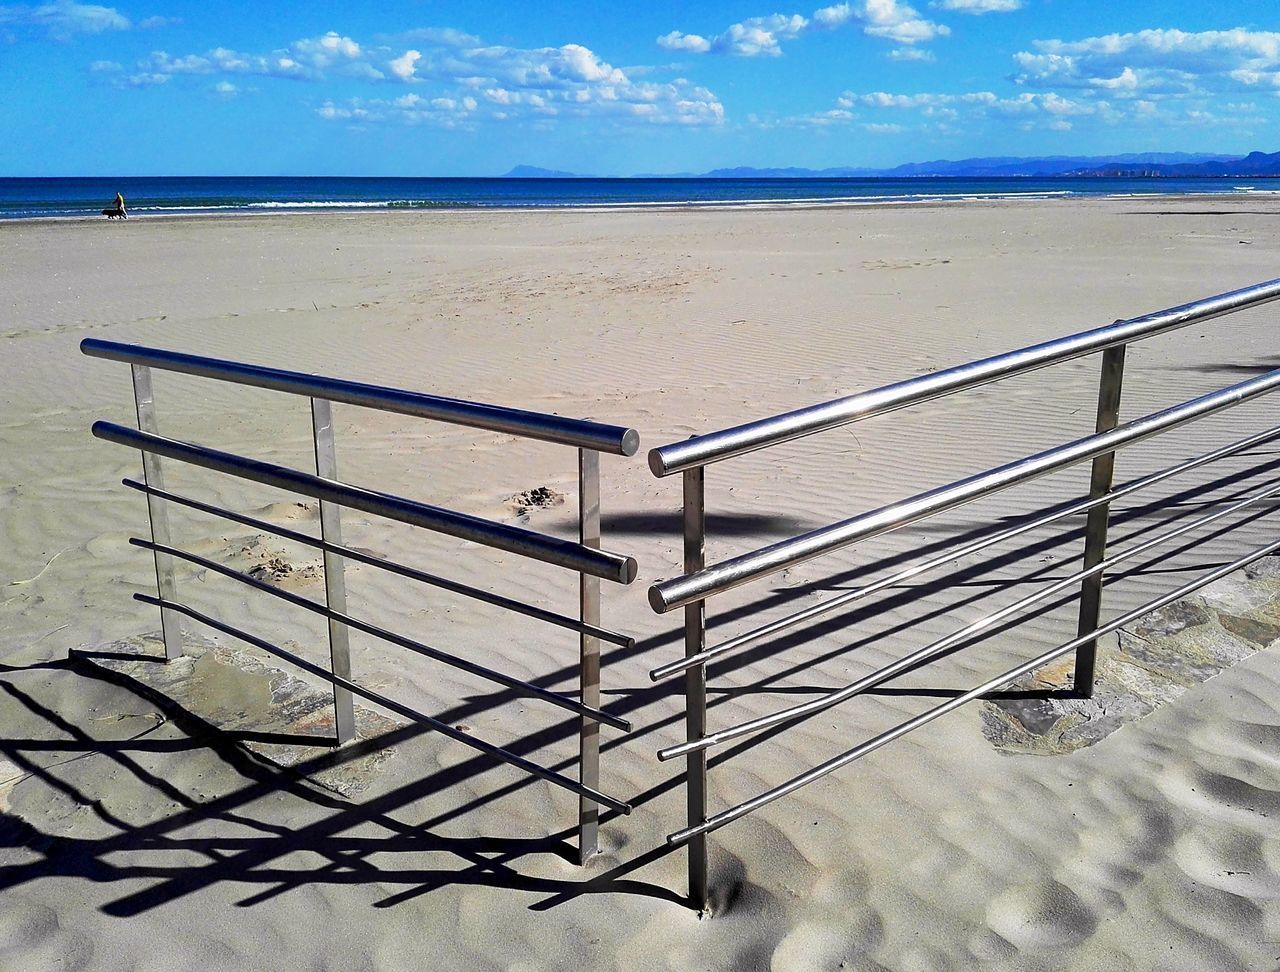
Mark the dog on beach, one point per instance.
(115, 214)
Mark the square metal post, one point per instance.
(695, 685)
(589, 652)
(335, 586)
(1095, 541)
(157, 513)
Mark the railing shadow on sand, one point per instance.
(701, 581)
(899, 580)
(586, 557)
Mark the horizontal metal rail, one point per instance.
(736, 571)
(726, 443)
(526, 543)
(551, 776)
(412, 573)
(513, 421)
(957, 637)
(454, 661)
(728, 816)
(857, 593)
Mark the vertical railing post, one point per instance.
(1095, 541)
(695, 685)
(335, 586)
(157, 513)
(589, 654)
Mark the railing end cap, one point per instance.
(630, 568)
(657, 601)
(630, 444)
(657, 465)
(100, 348)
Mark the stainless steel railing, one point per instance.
(586, 557)
(716, 446)
(700, 581)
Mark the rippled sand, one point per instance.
(130, 841)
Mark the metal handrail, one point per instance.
(444, 728)
(530, 425)
(412, 573)
(958, 637)
(526, 543)
(736, 571)
(739, 440)
(700, 581)
(858, 593)
(718, 820)
(585, 557)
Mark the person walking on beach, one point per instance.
(120, 205)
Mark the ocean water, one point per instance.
(85, 197)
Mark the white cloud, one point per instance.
(882, 99)
(761, 36)
(443, 36)
(219, 60)
(1057, 105)
(1154, 62)
(146, 79)
(910, 54)
(1051, 110)
(674, 103)
(1126, 80)
(978, 6)
(887, 19)
(978, 104)
(577, 63)
(676, 41)
(306, 59)
(403, 67)
(899, 23)
(543, 67)
(753, 37)
(835, 16)
(64, 18)
(351, 112)
(326, 50)
(1206, 47)
(459, 80)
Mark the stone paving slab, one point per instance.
(1147, 664)
(232, 690)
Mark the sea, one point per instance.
(215, 195)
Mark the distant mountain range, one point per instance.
(1148, 164)
(533, 172)
(1253, 164)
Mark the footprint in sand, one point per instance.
(901, 264)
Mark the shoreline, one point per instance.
(718, 205)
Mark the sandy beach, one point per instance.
(132, 839)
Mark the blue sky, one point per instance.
(444, 88)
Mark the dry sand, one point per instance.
(130, 842)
